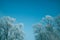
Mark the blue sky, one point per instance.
(29, 12)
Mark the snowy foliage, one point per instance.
(48, 28)
(9, 30)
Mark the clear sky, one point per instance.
(29, 12)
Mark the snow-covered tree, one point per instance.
(57, 19)
(9, 30)
(47, 29)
